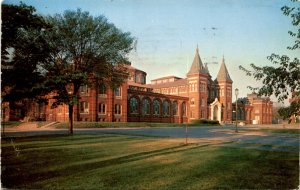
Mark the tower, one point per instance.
(197, 88)
(224, 87)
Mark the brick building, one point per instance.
(254, 110)
(166, 99)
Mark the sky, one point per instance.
(168, 32)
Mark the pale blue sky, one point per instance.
(168, 32)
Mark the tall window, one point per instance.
(117, 109)
(183, 109)
(175, 108)
(222, 92)
(84, 89)
(101, 108)
(156, 107)
(143, 79)
(117, 91)
(202, 114)
(146, 107)
(102, 89)
(133, 105)
(228, 105)
(137, 78)
(84, 107)
(166, 108)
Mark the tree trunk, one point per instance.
(71, 119)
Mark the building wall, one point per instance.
(225, 97)
(137, 113)
(256, 110)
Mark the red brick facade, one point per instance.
(168, 99)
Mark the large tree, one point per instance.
(282, 79)
(87, 51)
(22, 50)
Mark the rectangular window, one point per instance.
(222, 92)
(117, 91)
(102, 89)
(83, 89)
(18, 112)
(84, 107)
(101, 108)
(117, 109)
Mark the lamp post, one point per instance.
(236, 113)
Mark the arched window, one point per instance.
(133, 108)
(143, 79)
(166, 108)
(202, 102)
(183, 109)
(175, 108)
(137, 78)
(145, 107)
(156, 107)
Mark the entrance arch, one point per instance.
(216, 110)
(215, 113)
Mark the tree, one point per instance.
(287, 112)
(283, 79)
(87, 50)
(22, 51)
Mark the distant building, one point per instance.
(254, 110)
(167, 99)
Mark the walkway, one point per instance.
(248, 137)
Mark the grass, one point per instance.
(10, 123)
(130, 162)
(285, 131)
(126, 124)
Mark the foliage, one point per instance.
(287, 112)
(283, 79)
(23, 50)
(14, 19)
(205, 121)
(87, 50)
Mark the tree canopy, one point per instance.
(282, 79)
(84, 51)
(60, 53)
(22, 50)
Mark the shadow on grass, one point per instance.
(51, 142)
(25, 178)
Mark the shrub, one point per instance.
(205, 121)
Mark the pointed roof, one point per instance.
(197, 66)
(223, 74)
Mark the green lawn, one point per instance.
(287, 131)
(10, 123)
(127, 124)
(127, 162)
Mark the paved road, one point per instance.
(225, 136)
